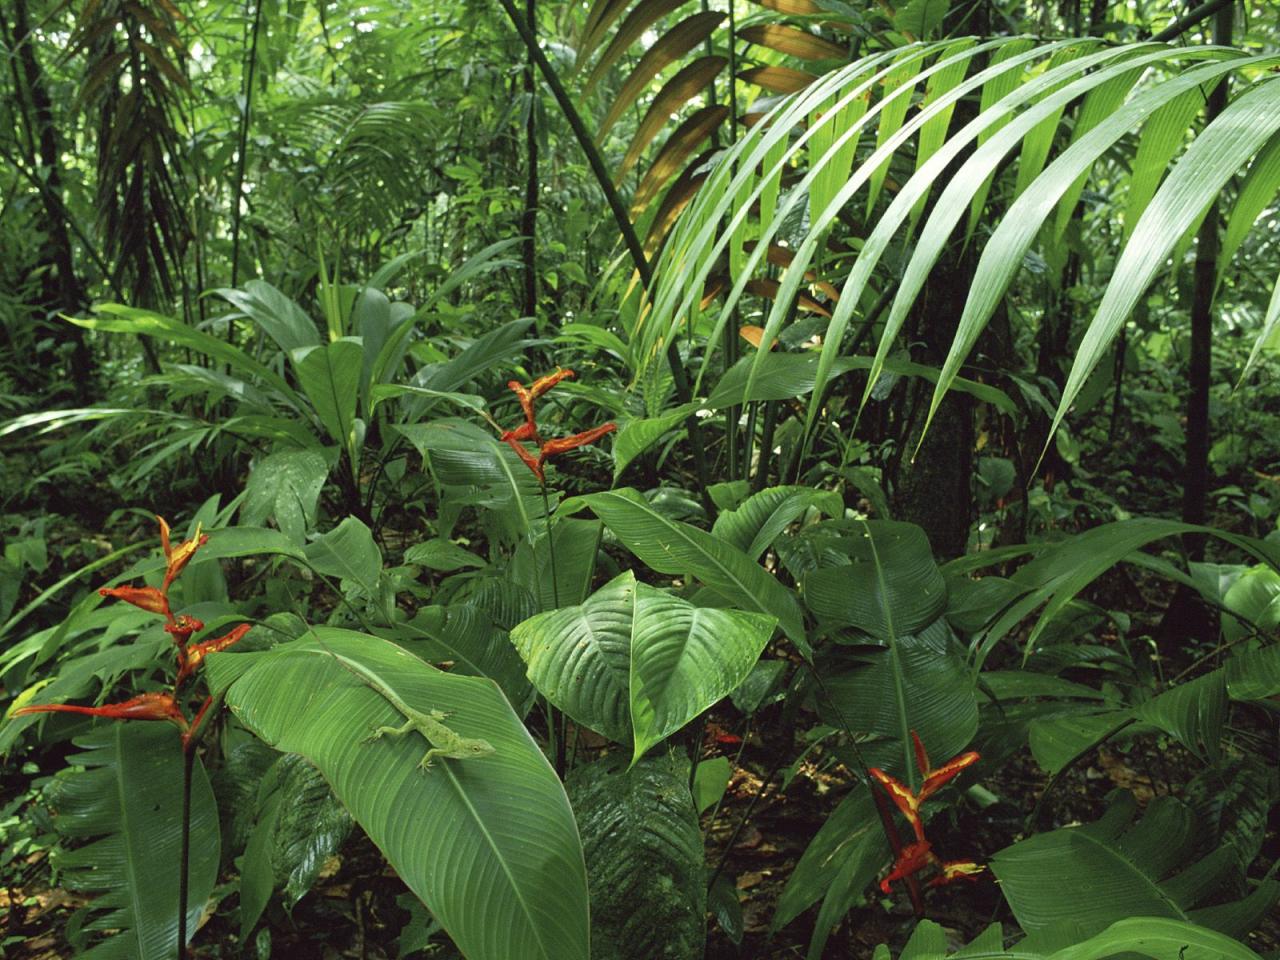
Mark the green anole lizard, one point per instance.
(444, 742)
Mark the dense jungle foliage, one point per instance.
(649, 479)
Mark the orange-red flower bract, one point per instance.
(148, 598)
(553, 447)
(178, 557)
(182, 628)
(916, 856)
(954, 870)
(543, 384)
(197, 653)
(913, 858)
(146, 706)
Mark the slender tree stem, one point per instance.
(237, 187)
(684, 391)
(529, 221)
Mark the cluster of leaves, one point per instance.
(371, 507)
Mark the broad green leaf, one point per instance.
(1113, 869)
(1255, 596)
(579, 657)
(637, 436)
(558, 572)
(890, 587)
(467, 637)
(122, 319)
(443, 555)
(758, 521)
(645, 858)
(348, 551)
(636, 663)
(922, 683)
(710, 780)
(285, 487)
(1151, 937)
(330, 377)
(1193, 712)
(1159, 939)
(1254, 674)
(675, 548)
(1059, 738)
(488, 844)
(125, 807)
(278, 316)
(685, 658)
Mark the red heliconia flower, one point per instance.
(526, 404)
(916, 856)
(913, 858)
(954, 870)
(530, 461)
(146, 706)
(554, 447)
(182, 628)
(148, 598)
(528, 431)
(543, 384)
(178, 557)
(196, 654)
(933, 779)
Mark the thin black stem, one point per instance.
(237, 188)
(1196, 16)
(529, 221)
(684, 390)
(557, 723)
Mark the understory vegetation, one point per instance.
(640, 479)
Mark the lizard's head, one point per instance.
(480, 748)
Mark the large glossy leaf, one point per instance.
(645, 858)
(489, 844)
(125, 807)
(761, 518)
(278, 316)
(890, 588)
(348, 551)
(671, 547)
(121, 319)
(1193, 712)
(1152, 937)
(467, 637)
(637, 663)
(557, 570)
(1087, 877)
(330, 377)
(285, 487)
(921, 683)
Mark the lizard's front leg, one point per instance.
(407, 727)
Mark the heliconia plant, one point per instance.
(166, 705)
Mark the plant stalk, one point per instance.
(684, 390)
(184, 856)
